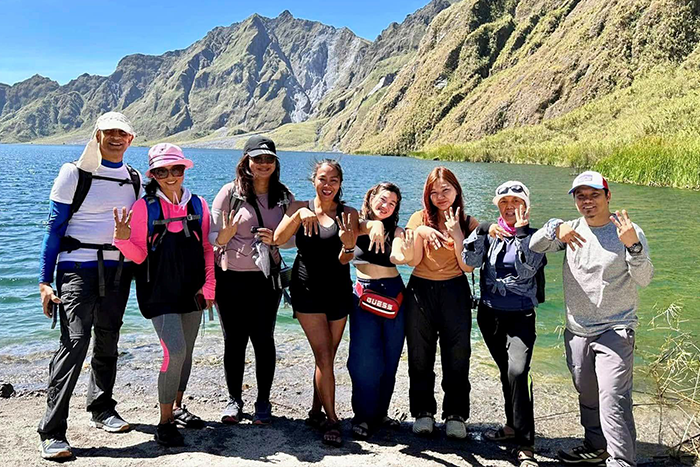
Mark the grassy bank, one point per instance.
(647, 133)
(651, 161)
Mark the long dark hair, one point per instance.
(366, 213)
(430, 211)
(151, 187)
(335, 165)
(276, 192)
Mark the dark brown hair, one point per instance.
(430, 211)
(277, 191)
(366, 211)
(333, 163)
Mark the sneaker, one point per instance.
(168, 435)
(55, 448)
(187, 419)
(110, 421)
(263, 413)
(455, 427)
(424, 424)
(233, 412)
(583, 455)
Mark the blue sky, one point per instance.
(62, 39)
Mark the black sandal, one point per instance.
(331, 434)
(315, 419)
(360, 430)
(391, 423)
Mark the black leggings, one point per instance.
(247, 310)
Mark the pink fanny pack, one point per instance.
(378, 304)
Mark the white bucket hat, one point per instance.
(91, 158)
(512, 188)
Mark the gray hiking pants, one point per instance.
(82, 309)
(601, 367)
(177, 333)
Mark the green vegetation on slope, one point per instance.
(648, 133)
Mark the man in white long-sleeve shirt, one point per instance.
(606, 260)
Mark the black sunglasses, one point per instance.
(162, 172)
(513, 188)
(263, 159)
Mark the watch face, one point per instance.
(636, 248)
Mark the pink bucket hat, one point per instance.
(166, 154)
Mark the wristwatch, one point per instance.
(348, 251)
(635, 248)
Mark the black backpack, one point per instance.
(85, 179)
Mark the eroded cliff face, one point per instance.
(450, 72)
(254, 75)
(483, 66)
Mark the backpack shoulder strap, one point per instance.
(81, 190)
(155, 213)
(135, 180)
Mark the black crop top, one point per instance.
(363, 255)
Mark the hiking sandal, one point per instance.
(315, 419)
(331, 434)
(527, 460)
(360, 430)
(390, 423)
(498, 435)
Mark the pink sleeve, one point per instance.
(209, 287)
(135, 247)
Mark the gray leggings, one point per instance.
(177, 333)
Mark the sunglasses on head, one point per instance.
(163, 172)
(512, 188)
(263, 159)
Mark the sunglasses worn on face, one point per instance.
(513, 188)
(163, 172)
(264, 159)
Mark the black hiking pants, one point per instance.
(510, 337)
(439, 311)
(80, 310)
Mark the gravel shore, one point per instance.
(288, 441)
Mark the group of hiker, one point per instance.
(106, 228)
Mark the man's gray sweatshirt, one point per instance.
(600, 278)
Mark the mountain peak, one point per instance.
(286, 15)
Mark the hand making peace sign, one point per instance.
(522, 216)
(345, 231)
(122, 224)
(625, 229)
(228, 229)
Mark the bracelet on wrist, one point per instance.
(347, 250)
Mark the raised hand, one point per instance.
(569, 236)
(625, 229)
(376, 237)
(309, 221)
(522, 216)
(228, 229)
(407, 244)
(496, 231)
(345, 231)
(454, 229)
(122, 224)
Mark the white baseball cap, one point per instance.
(591, 179)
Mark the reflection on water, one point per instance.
(666, 215)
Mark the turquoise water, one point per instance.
(666, 215)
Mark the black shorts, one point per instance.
(334, 300)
